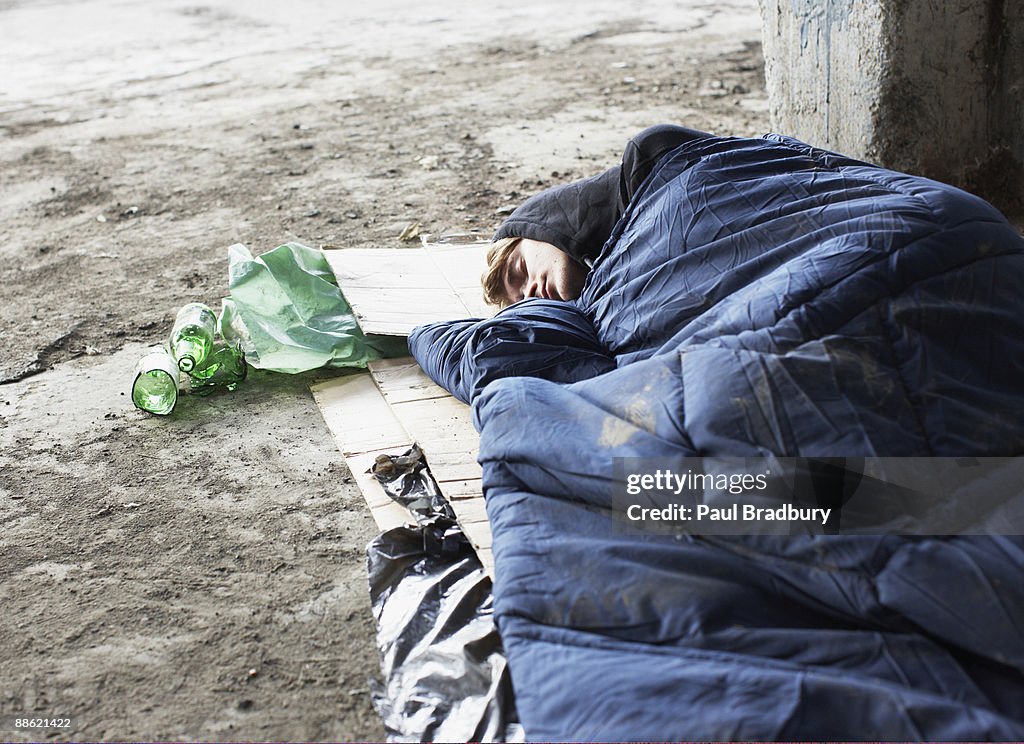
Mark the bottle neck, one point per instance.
(183, 353)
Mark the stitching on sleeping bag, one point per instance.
(886, 178)
(731, 658)
(898, 366)
(898, 363)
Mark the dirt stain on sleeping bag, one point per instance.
(616, 431)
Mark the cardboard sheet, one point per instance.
(393, 290)
(363, 426)
(443, 428)
(385, 412)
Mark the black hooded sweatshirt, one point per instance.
(578, 217)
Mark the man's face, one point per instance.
(537, 269)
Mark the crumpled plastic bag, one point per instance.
(288, 314)
(446, 677)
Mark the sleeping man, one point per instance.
(546, 246)
(753, 298)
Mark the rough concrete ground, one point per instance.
(202, 577)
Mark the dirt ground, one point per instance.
(202, 576)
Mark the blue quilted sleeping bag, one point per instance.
(758, 296)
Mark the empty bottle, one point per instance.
(225, 367)
(155, 388)
(192, 335)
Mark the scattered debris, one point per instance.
(459, 238)
(411, 232)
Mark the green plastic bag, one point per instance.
(287, 312)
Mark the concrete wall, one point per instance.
(934, 87)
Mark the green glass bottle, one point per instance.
(225, 367)
(192, 335)
(155, 388)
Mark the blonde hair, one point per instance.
(493, 279)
